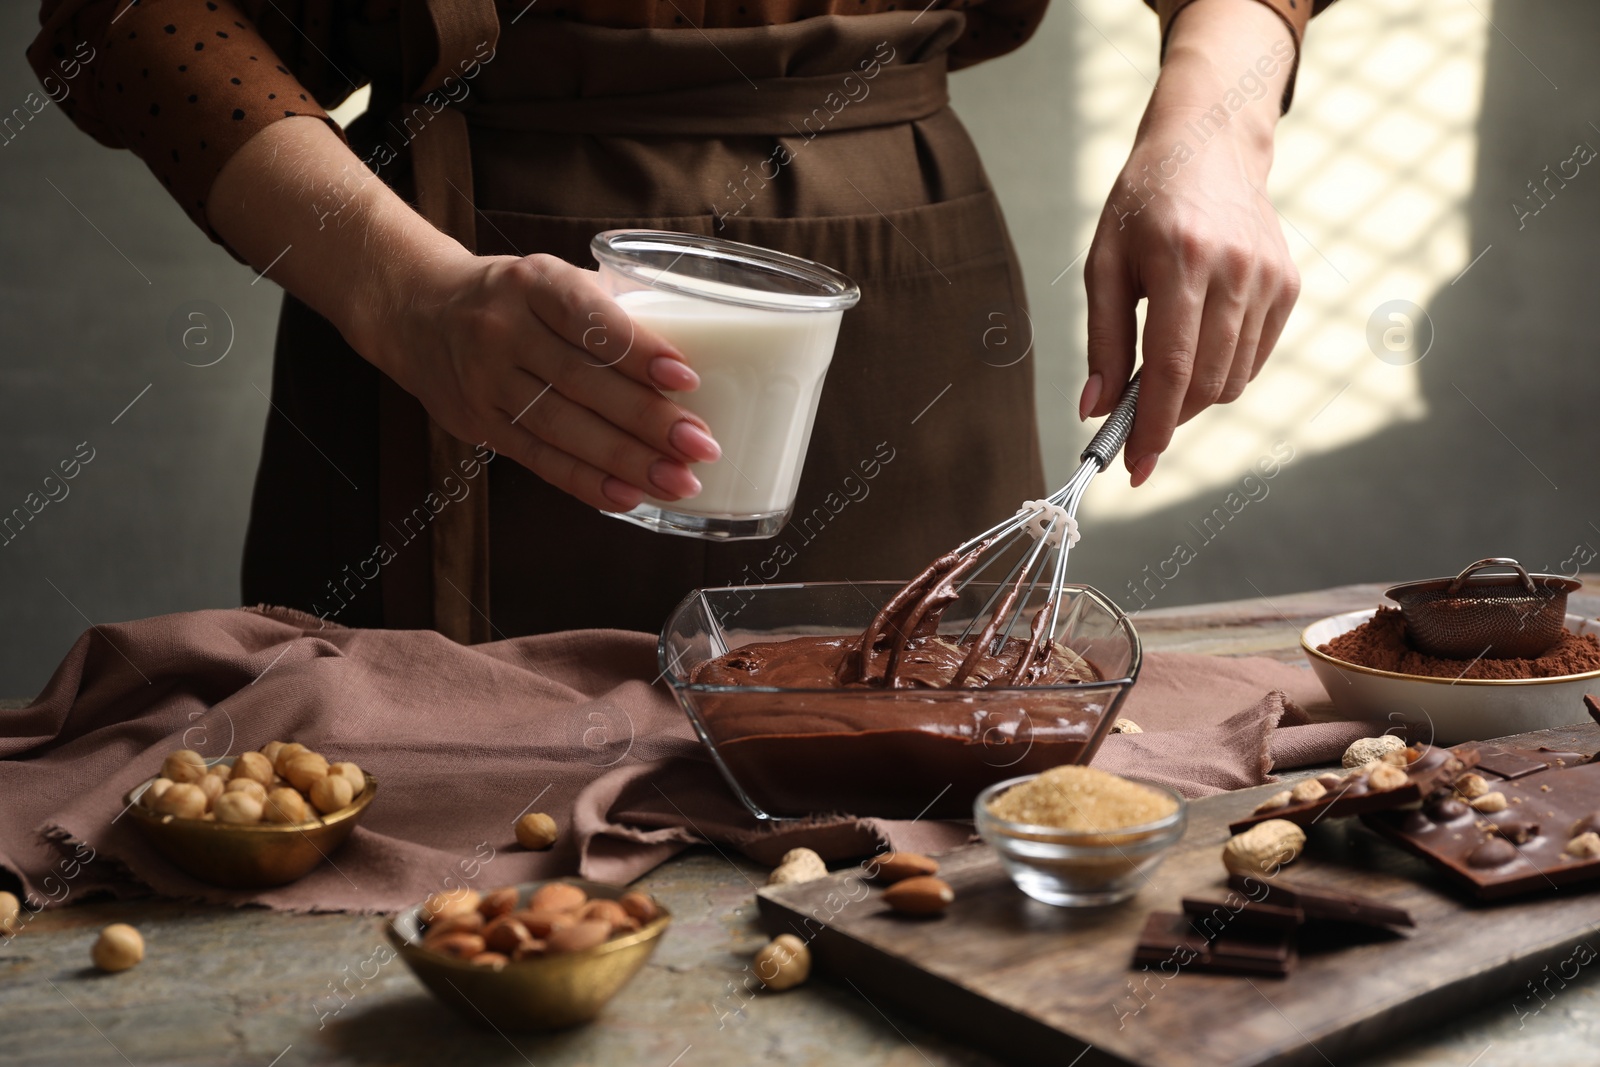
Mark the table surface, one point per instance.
(250, 986)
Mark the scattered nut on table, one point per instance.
(798, 865)
(1366, 749)
(1263, 848)
(536, 831)
(894, 867)
(782, 963)
(1307, 790)
(1126, 726)
(118, 947)
(10, 914)
(1472, 786)
(1385, 777)
(922, 895)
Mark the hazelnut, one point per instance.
(1263, 848)
(462, 946)
(286, 806)
(557, 896)
(285, 754)
(449, 902)
(212, 787)
(640, 905)
(1275, 801)
(1366, 749)
(252, 766)
(238, 807)
(118, 947)
(1385, 777)
(153, 792)
(246, 787)
(184, 765)
(352, 774)
(783, 963)
(330, 794)
(536, 830)
(1585, 846)
(498, 902)
(798, 865)
(1307, 790)
(182, 799)
(492, 960)
(590, 933)
(1490, 803)
(10, 914)
(1472, 786)
(271, 750)
(304, 769)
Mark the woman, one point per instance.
(431, 256)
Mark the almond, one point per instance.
(492, 960)
(609, 912)
(585, 935)
(898, 866)
(557, 896)
(498, 902)
(505, 934)
(462, 946)
(543, 924)
(640, 905)
(920, 895)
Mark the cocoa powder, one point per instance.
(1380, 643)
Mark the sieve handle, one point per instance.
(1114, 431)
(1493, 561)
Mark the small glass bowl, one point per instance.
(1073, 868)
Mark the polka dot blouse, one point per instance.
(184, 83)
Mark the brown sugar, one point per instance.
(1380, 643)
(1081, 798)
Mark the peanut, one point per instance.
(1275, 801)
(1263, 848)
(1307, 790)
(798, 865)
(1366, 749)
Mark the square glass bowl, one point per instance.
(889, 753)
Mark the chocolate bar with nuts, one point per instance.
(1318, 904)
(1170, 939)
(1501, 762)
(1507, 837)
(1379, 787)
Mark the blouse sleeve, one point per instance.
(1295, 14)
(182, 84)
(994, 27)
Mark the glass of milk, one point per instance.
(758, 326)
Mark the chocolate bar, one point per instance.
(1170, 938)
(1320, 904)
(1241, 915)
(1547, 833)
(1352, 794)
(1512, 763)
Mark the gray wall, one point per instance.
(154, 523)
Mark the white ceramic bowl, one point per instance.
(1443, 711)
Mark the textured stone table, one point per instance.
(255, 987)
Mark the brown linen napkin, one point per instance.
(465, 739)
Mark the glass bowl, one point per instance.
(1074, 868)
(890, 753)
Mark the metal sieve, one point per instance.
(1493, 616)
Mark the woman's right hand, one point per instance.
(530, 355)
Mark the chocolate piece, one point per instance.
(1594, 708)
(1504, 853)
(1513, 763)
(1169, 938)
(1239, 914)
(1431, 768)
(1320, 904)
(1445, 809)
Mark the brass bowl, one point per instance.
(543, 993)
(250, 856)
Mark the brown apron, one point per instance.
(829, 138)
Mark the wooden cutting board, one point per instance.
(1039, 984)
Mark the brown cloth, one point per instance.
(463, 740)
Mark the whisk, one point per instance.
(913, 613)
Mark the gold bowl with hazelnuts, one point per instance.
(534, 957)
(252, 821)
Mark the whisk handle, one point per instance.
(1114, 431)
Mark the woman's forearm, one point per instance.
(298, 204)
